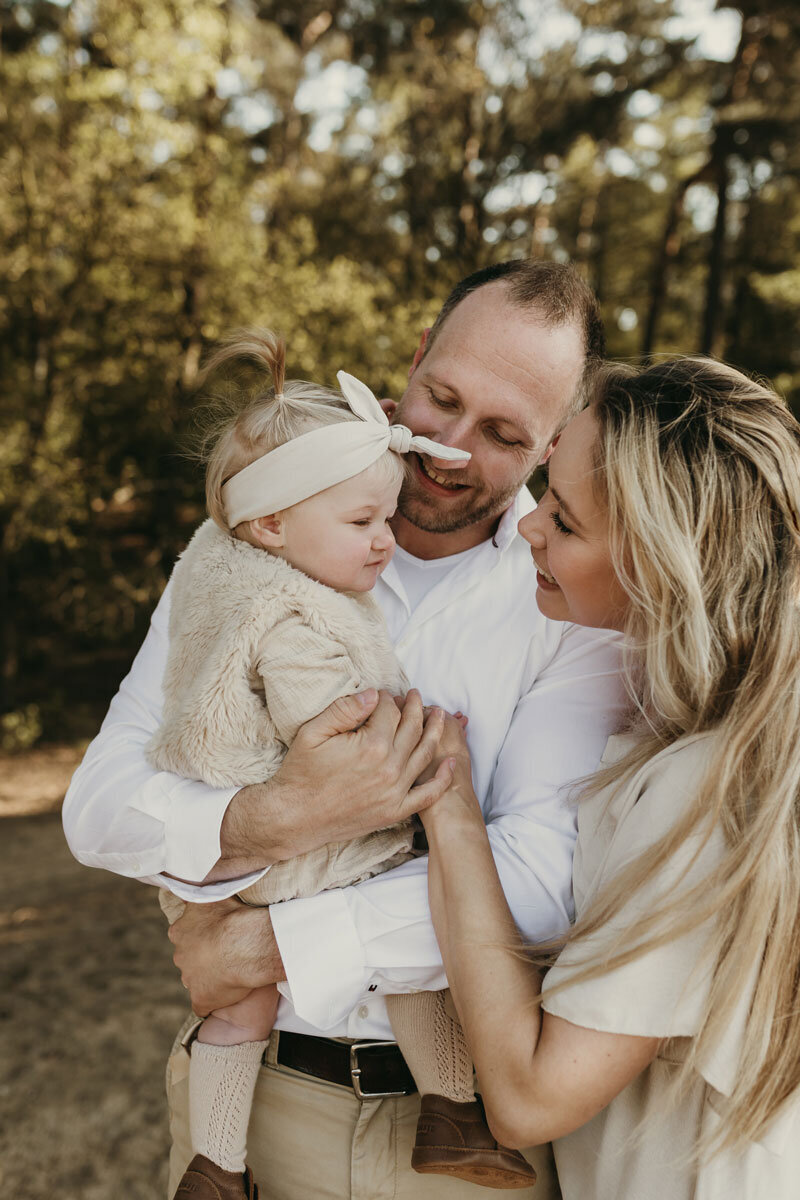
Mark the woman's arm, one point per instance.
(540, 1076)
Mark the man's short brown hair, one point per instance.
(555, 291)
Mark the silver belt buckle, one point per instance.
(355, 1073)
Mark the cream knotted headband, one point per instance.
(319, 459)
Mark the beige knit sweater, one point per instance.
(256, 649)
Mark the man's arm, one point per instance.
(123, 815)
(381, 929)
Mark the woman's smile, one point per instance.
(569, 531)
(543, 578)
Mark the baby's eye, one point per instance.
(362, 521)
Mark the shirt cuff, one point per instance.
(194, 814)
(325, 970)
(207, 893)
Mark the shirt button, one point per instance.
(363, 1011)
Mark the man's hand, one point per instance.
(349, 771)
(223, 951)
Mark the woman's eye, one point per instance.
(559, 524)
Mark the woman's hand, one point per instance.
(452, 744)
(459, 799)
(453, 741)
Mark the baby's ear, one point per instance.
(268, 531)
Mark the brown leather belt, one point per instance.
(374, 1070)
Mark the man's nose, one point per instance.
(452, 433)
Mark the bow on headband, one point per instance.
(326, 456)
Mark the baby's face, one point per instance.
(341, 536)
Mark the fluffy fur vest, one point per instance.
(229, 601)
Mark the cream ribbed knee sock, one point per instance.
(433, 1045)
(222, 1080)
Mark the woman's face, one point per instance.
(568, 536)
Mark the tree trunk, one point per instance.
(712, 333)
(740, 291)
(744, 60)
(9, 653)
(667, 253)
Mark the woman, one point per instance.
(664, 1057)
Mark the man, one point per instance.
(498, 375)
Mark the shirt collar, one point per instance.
(507, 529)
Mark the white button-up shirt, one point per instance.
(541, 697)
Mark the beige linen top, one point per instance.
(256, 649)
(659, 995)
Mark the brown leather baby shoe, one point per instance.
(454, 1139)
(204, 1180)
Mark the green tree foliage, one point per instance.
(172, 168)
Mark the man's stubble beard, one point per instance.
(422, 512)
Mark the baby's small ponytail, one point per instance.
(257, 410)
(260, 347)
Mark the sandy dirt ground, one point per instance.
(89, 1004)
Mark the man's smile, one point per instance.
(441, 482)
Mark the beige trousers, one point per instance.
(310, 1140)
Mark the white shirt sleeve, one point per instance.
(382, 928)
(123, 815)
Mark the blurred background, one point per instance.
(172, 168)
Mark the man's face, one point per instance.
(497, 382)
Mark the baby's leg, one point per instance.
(225, 1061)
(249, 1020)
(223, 1069)
(452, 1135)
(433, 1044)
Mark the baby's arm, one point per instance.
(302, 672)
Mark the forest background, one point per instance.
(172, 168)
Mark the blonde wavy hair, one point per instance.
(699, 469)
(258, 409)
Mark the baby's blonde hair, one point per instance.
(264, 410)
